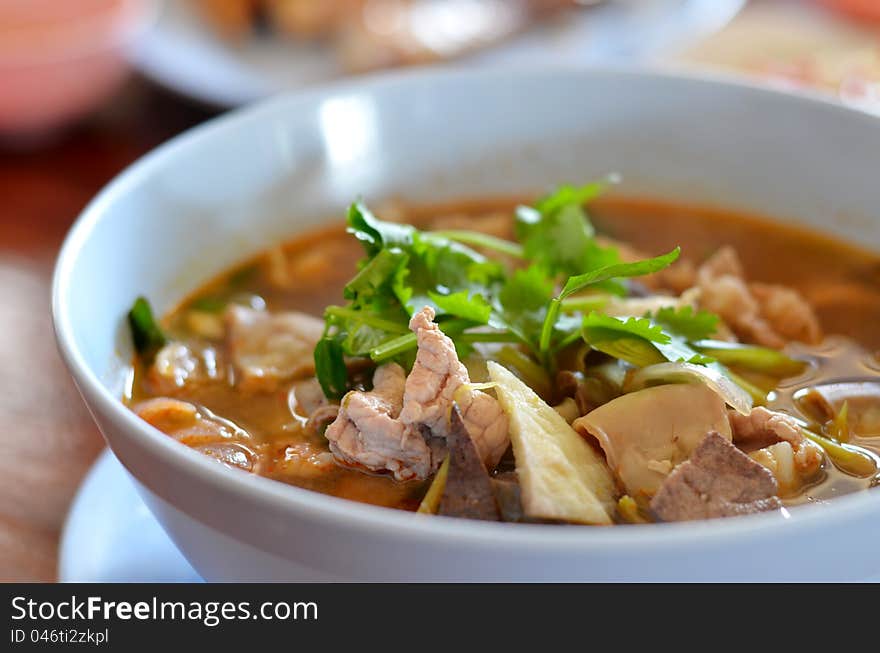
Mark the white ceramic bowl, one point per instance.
(232, 187)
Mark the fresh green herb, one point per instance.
(484, 241)
(751, 357)
(145, 332)
(684, 321)
(460, 304)
(850, 459)
(330, 368)
(558, 235)
(579, 282)
(634, 340)
(476, 299)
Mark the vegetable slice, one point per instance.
(145, 332)
(561, 476)
(431, 502)
(733, 395)
(751, 357)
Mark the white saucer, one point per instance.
(183, 54)
(111, 537)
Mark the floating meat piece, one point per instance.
(787, 312)
(367, 431)
(268, 349)
(436, 380)
(718, 480)
(645, 434)
(402, 425)
(468, 492)
(777, 443)
(764, 314)
(178, 365)
(200, 429)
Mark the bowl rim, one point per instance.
(378, 520)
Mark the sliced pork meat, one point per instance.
(764, 314)
(468, 492)
(403, 424)
(776, 441)
(200, 429)
(307, 402)
(178, 365)
(787, 312)
(723, 290)
(645, 434)
(437, 379)
(718, 480)
(268, 349)
(368, 433)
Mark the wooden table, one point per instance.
(48, 439)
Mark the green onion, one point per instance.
(145, 332)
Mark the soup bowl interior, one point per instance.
(231, 188)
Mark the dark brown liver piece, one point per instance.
(718, 480)
(468, 491)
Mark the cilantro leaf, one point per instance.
(580, 282)
(461, 304)
(521, 304)
(598, 327)
(685, 322)
(567, 195)
(330, 368)
(376, 273)
(638, 341)
(558, 234)
(375, 234)
(634, 269)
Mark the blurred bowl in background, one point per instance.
(865, 9)
(61, 60)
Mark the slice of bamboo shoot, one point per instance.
(561, 476)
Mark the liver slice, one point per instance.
(468, 493)
(718, 480)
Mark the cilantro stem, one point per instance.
(488, 336)
(549, 322)
(394, 347)
(580, 282)
(366, 318)
(482, 240)
(572, 337)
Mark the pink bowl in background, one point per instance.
(61, 60)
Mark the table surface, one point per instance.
(49, 440)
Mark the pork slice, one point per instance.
(179, 365)
(723, 290)
(368, 433)
(787, 312)
(762, 430)
(468, 493)
(437, 380)
(766, 314)
(268, 349)
(201, 430)
(718, 480)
